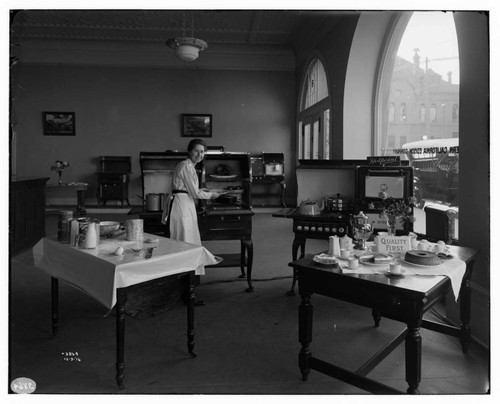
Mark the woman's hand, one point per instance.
(215, 195)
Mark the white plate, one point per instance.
(419, 265)
(366, 262)
(327, 261)
(223, 177)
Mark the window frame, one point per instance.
(314, 112)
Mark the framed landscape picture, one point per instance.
(58, 123)
(196, 125)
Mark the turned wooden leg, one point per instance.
(190, 312)
(305, 335)
(249, 248)
(121, 299)
(413, 352)
(55, 305)
(80, 209)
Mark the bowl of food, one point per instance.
(108, 227)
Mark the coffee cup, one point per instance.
(353, 263)
(395, 268)
(344, 253)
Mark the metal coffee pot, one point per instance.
(362, 230)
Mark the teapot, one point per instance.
(309, 208)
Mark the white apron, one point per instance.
(183, 220)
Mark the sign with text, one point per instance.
(384, 160)
(393, 244)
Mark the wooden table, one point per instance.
(80, 188)
(109, 278)
(215, 225)
(403, 299)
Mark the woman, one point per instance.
(180, 212)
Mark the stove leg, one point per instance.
(242, 257)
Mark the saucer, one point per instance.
(393, 275)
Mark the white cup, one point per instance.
(438, 248)
(395, 268)
(353, 263)
(423, 245)
(344, 253)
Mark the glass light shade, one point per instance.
(186, 48)
(187, 53)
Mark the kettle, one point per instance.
(309, 208)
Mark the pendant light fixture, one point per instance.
(187, 48)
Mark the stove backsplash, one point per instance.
(318, 183)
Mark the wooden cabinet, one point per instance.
(26, 212)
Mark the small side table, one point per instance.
(79, 187)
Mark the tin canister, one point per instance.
(74, 232)
(64, 218)
(135, 229)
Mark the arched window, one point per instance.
(314, 138)
(402, 112)
(433, 113)
(426, 73)
(421, 116)
(454, 114)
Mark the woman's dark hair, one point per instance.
(192, 144)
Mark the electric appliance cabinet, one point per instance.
(268, 170)
(113, 179)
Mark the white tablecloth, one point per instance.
(98, 272)
(453, 268)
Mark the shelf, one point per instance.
(159, 170)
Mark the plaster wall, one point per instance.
(126, 110)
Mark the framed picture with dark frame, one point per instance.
(58, 123)
(196, 125)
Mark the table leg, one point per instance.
(190, 313)
(305, 335)
(249, 249)
(465, 312)
(298, 241)
(55, 304)
(121, 299)
(413, 353)
(376, 316)
(81, 202)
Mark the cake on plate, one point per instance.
(382, 258)
(419, 257)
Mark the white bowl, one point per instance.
(108, 227)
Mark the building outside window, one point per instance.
(421, 74)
